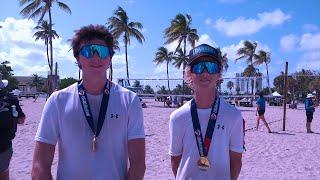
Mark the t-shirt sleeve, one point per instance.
(48, 129)
(135, 122)
(237, 135)
(176, 136)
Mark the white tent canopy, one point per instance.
(276, 94)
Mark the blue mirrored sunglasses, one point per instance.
(88, 51)
(212, 67)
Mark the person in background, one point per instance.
(309, 105)
(11, 114)
(261, 109)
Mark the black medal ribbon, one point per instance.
(203, 149)
(86, 107)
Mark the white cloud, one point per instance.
(242, 26)
(208, 21)
(310, 61)
(26, 55)
(206, 39)
(232, 49)
(310, 41)
(310, 27)
(289, 42)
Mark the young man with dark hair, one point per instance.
(206, 133)
(97, 124)
(11, 114)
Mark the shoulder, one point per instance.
(117, 89)
(181, 113)
(64, 94)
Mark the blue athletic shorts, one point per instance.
(5, 158)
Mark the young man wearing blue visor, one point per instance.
(97, 124)
(206, 133)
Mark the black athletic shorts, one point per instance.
(309, 116)
(261, 113)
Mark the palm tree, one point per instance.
(44, 34)
(115, 47)
(247, 52)
(223, 59)
(260, 58)
(37, 82)
(35, 8)
(180, 30)
(119, 24)
(163, 55)
(230, 85)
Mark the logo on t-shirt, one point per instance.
(115, 116)
(220, 126)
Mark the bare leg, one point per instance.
(265, 123)
(258, 120)
(4, 175)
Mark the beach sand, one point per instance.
(290, 154)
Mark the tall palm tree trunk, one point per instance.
(126, 50)
(47, 46)
(268, 78)
(184, 62)
(168, 77)
(51, 53)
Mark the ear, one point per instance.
(78, 62)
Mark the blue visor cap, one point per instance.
(203, 50)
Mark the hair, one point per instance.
(260, 94)
(188, 76)
(91, 32)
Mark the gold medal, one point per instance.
(204, 163)
(94, 143)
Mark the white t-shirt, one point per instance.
(63, 121)
(227, 136)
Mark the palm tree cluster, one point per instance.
(120, 26)
(40, 8)
(248, 52)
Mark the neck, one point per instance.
(205, 98)
(95, 85)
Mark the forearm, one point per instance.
(42, 161)
(175, 161)
(136, 150)
(41, 173)
(136, 172)
(235, 168)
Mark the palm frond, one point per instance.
(64, 7)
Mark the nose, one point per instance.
(95, 57)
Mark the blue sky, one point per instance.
(290, 30)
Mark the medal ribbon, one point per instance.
(204, 145)
(86, 107)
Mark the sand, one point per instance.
(290, 154)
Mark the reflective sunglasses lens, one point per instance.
(212, 68)
(103, 51)
(89, 50)
(86, 52)
(198, 68)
